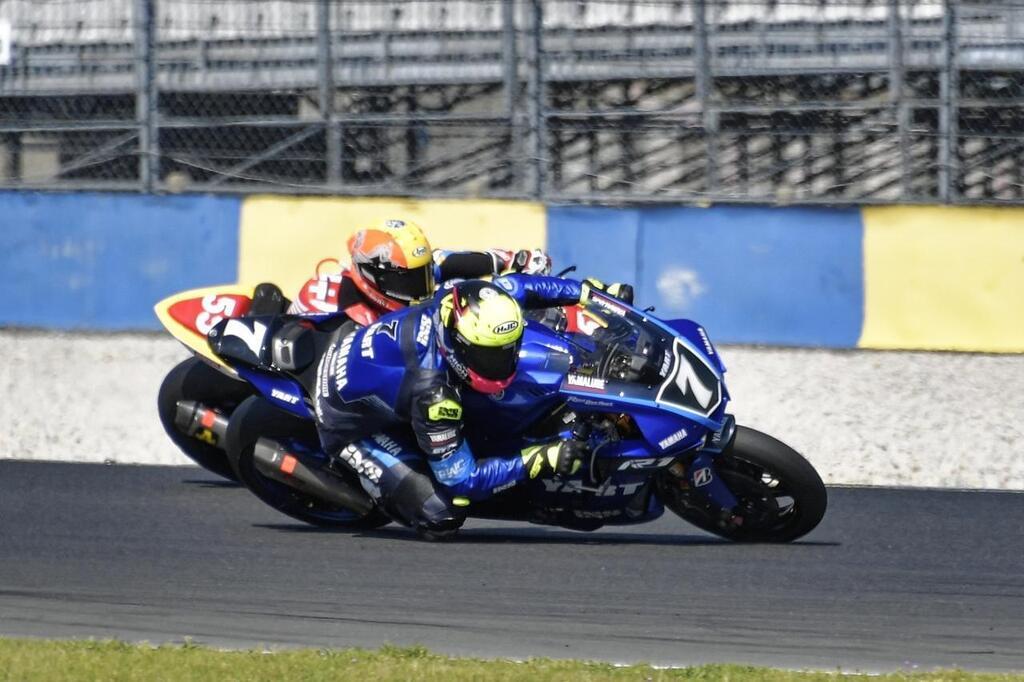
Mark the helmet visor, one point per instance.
(404, 284)
(490, 362)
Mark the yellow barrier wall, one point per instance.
(944, 278)
(935, 278)
(281, 239)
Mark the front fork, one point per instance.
(705, 481)
(701, 475)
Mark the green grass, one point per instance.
(25, 660)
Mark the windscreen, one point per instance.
(624, 346)
(632, 356)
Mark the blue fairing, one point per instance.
(279, 390)
(698, 337)
(678, 407)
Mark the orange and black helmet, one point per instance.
(392, 263)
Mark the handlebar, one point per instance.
(566, 271)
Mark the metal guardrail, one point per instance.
(610, 100)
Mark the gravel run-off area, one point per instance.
(861, 417)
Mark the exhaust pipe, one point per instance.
(274, 462)
(201, 422)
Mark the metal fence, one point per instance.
(605, 100)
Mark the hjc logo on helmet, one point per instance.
(506, 327)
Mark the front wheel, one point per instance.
(780, 495)
(256, 418)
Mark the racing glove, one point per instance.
(534, 262)
(623, 292)
(560, 457)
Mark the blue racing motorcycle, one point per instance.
(647, 397)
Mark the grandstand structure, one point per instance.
(599, 100)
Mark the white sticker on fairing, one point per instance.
(646, 463)
(252, 338)
(607, 306)
(687, 377)
(671, 440)
(286, 397)
(707, 342)
(590, 383)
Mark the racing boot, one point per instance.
(410, 496)
(268, 299)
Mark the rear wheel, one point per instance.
(256, 418)
(193, 379)
(780, 495)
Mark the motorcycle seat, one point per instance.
(275, 343)
(285, 344)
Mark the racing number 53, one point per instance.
(215, 309)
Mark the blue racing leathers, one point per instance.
(385, 402)
(537, 291)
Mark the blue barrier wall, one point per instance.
(834, 277)
(102, 260)
(790, 276)
(601, 242)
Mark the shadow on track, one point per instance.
(211, 483)
(534, 536)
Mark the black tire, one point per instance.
(193, 379)
(781, 496)
(256, 418)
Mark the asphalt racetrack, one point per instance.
(892, 578)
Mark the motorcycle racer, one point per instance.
(392, 265)
(388, 399)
